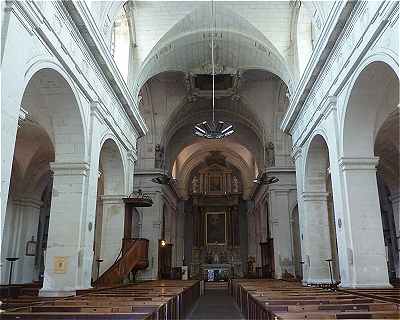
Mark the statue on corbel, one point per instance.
(196, 184)
(270, 153)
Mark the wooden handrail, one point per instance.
(134, 257)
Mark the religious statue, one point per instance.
(216, 258)
(270, 150)
(158, 157)
(235, 185)
(195, 185)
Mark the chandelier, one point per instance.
(215, 129)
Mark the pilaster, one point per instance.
(367, 256)
(65, 261)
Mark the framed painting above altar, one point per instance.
(216, 228)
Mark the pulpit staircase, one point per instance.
(133, 257)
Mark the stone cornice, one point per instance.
(315, 196)
(112, 198)
(395, 197)
(367, 164)
(330, 33)
(87, 27)
(22, 116)
(69, 168)
(148, 172)
(321, 112)
(280, 170)
(352, 38)
(28, 202)
(75, 55)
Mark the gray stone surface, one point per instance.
(215, 304)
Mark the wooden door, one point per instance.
(164, 261)
(267, 259)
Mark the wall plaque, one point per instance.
(60, 264)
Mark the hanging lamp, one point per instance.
(216, 129)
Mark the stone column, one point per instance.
(132, 157)
(151, 230)
(112, 229)
(29, 210)
(395, 198)
(367, 258)
(297, 156)
(316, 245)
(87, 238)
(180, 237)
(64, 258)
(281, 231)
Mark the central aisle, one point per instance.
(215, 304)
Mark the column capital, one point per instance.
(132, 155)
(315, 196)
(362, 163)
(112, 198)
(69, 168)
(95, 111)
(296, 153)
(395, 197)
(22, 116)
(28, 202)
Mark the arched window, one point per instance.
(304, 37)
(122, 40)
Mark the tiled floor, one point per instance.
(215, 304)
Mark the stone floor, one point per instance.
(215, 304)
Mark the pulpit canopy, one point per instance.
(138, 199)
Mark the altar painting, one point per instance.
(216, 228)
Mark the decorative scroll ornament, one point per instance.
(265, 179)
(138, 199)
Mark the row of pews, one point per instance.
(385, 294)
(20, 295)
(142, 301)
(277, 299)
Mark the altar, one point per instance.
(216, 272)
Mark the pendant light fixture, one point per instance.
(216, 129)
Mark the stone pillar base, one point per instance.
(316, 281)
(368, 285)
(56, 293)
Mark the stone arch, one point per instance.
(60, 112)
(232, 157)
(370, 139)
(192, 31)
(52, 131)
(316, 165)
(112, 167)
(296, 239)
(319, 216)
(109, 222)
(367, 105)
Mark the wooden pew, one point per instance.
(143, 301)
(275, 299)
(385, 294)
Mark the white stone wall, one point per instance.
(51, 43)
(370, 35)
